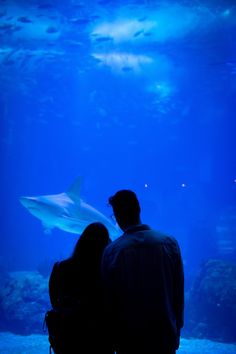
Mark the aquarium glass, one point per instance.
(102, 95)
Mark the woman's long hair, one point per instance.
(90, 246)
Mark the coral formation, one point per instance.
(211, 302)
(23, 302)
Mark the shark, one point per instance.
(67, 211)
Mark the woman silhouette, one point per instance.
(76, 295)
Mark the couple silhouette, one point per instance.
(125, 296)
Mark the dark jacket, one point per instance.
(144, 288)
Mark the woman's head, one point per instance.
(92, 241)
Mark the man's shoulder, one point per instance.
(164, 236)
(146, 234)
(169, 242)
(115, 245)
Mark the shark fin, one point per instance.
(74, 190)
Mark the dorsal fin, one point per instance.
(74, 190)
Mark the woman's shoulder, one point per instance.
(65, 264)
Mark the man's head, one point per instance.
(126, 208)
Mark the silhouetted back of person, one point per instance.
(75, 290)
(144, 284)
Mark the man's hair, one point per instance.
(125, 205)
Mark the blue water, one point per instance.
(126, 94)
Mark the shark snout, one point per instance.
(28, 202)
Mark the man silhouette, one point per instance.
(143, 284)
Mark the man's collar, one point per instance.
(136, 228)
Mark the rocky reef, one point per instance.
(211, 303)
(23, 302)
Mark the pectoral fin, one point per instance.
(47, 228)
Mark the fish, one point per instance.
(67, 211)
(127, 68)
(138, 33)
(103, 39)
(51, 29)
(6, 26)
(24, 19)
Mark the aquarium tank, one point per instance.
(102, 95)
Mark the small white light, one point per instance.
(145, 185)
(235, 180)
(183, 185)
